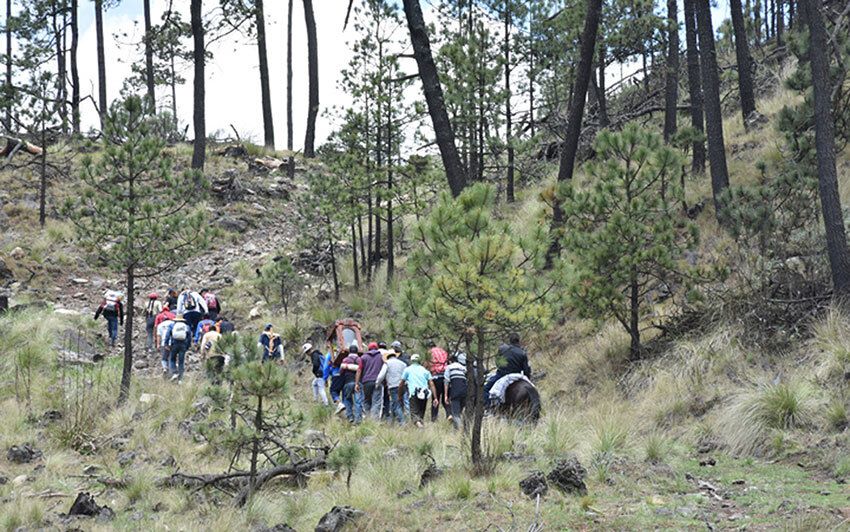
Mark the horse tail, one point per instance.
(534, 405)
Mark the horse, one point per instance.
(522, 402)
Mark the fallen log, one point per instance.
(14, 145)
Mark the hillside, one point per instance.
(734, 422)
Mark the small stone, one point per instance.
(148, 398)
(392, 454)
(19, 480)
(17, 253)
(126, 458)
(739, 482)
(534, 484)
(568, 475)
(3, 480)
(338, 518)
(80, 280)
(22, 454)
(708, 462)
(168, 461)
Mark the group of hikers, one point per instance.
(379, 382)
(388, 384)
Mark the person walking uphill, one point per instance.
(417, 381)
(439, 359)
(317, 361)
(179, 340)
(352, 395)
(395, 369)
(192, 306)
(373, 394)
(113, 312)
(213, 303)
(152, 310)
(271, 343)
(456, 389)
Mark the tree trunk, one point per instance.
(289, 128)
(671, 89)
(757, 21)
(268, 121)
(836, 239)
(434, 96)
(7, 123)
(604, 119)
(354, 257)
(173, 91)
(390, 254)
(745, 65)
(634, 318)
(149, 74)
(531, 90)
(101, 62)
(75, 75)
(574, 119)
(129, 312)
(713, 112)
(508, 112)
(477, 401)
(59, 36)
(255, 446)
(363, 264)
(199, 114)
(42, 188)
(780, 21)
(313, 74)
(333, 258)
(694, 87)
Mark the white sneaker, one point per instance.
(174, 377)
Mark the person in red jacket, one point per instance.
(164, 315)
(113, 311)
(439, 360)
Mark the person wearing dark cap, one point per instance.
(271, 343)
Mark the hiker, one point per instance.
(224, 325)
(271, 343)
(213, 303)
(203, 328)
(404, 357)
(207, 344)
(152, 310)
(395, 369)
(178, 339)
(512, 358)
(370, 380)
(162, 330)
(113, 312)
(171, 298)
(317, 360)
(164, 315)
(417, 381)
(331, 374)
(455, 379)
(439, 358)
(352, 396)
(192, 306)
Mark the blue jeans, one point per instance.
(353, 402)
(178, 357)
(165, 357)
(112, 328)
(396, 407)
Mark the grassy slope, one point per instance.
(638, 433)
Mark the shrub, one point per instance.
(655, 448)
(836, 415)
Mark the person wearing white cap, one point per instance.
(317, 361)
(420, 387)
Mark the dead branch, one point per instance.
(268, 474)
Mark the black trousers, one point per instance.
(417, 408)
(440, 385)
(457, 405)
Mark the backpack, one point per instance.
(189, 303)
(111, 301)
(212, 301)
(180, 331)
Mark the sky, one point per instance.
(233, 81)
(233, 86)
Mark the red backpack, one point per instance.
(212, 301)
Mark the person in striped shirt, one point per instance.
(454, 377)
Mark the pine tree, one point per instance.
(695, 88)
(745, 62)
(313, 80)
(199, 145)
(671, 91)
(627, 231)
(133, 213)
(473, 279)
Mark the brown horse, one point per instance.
(522, 402)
